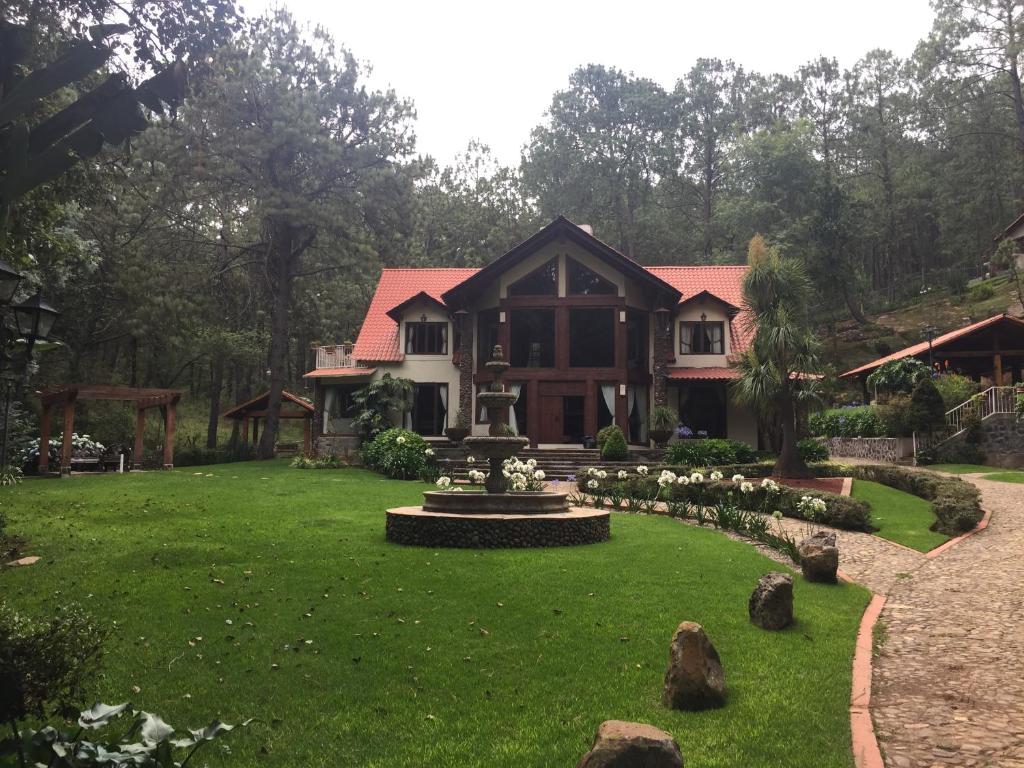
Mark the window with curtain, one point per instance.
(426, 338)
(701, 337)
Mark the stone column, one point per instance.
(462, 317)
(662, 354)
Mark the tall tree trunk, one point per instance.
(216, 386)
(790, 463)
(280, 273)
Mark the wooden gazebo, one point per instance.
(66, 395)
(292, 407)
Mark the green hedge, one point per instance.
(842, 511)
(956, 503)
(397, 453)
(862, 421)
(708, 453)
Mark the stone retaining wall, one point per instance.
(1002, 440)
(874, 448)
(345, 446)
(410, 525)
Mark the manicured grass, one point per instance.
(394, 656)
(900, 516)
(990, 473)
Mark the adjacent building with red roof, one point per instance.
(593, 337)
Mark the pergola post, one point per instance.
(44, 438)
(255, 430)
(170, 423)
(69, 428)
(307, 445)
(140, 429)
(245, 430)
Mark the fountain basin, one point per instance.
(415, 526)
(522, 503)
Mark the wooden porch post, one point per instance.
(245, 430)
(44, 438)
(255, 430)
(307, 444)
(69, 428)
(140, 429)
(997, 364)
(170, 424)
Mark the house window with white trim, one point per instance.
(426, 338)
(429, 414)
(702, 337)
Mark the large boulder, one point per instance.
(771, 604)
(619, 744)
(694, 678)
(819, 557)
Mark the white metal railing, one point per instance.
(335, 356)
(992, 401)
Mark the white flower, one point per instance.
(682, 480)
(538, 475)
(769, 485)
(602, 474)
(470, 460)
(443, 482)
(696, 477)
(506, 473)
(518, 478)
(400, 439)
(591, 471)
(592, 484)
(716, 476)
(746, 487)
(429, 451)
(642, 470)
(623, 474)
(666, 478)
(738, 478)
(531, 463)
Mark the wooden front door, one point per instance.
(550, 419)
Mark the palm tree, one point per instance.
(775, 371)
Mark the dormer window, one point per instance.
(703, 337)
(426, 338)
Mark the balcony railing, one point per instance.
(335, 356)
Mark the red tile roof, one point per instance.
(703, 374)
(378, 338)
(333, 372)
(938, 341)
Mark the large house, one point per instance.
(592, 336)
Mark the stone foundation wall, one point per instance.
(873, 448)
(1002, 441)
(495, 532)
(345, 446)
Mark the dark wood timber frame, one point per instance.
(67, 395)
(256, 409)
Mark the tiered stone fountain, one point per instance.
(496, 517)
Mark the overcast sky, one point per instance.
(488, 70)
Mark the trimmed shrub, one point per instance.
(927, 410)
(602, 435)
(614, 448)
(860, 421)
(709, 453)
(956, 503)
(894, 415)
(397, 453)
(812, 450)
(955, 389)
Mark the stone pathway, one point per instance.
(948, 683)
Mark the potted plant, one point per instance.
(461, 429)
(663, 423)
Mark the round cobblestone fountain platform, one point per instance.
(496, 518)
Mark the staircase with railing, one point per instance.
(993, 401)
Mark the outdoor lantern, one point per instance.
(9, 280)
(35, 318)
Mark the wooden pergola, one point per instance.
(256, 409)
(144, 398)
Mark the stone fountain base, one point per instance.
(484, 530)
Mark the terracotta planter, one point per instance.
(456, 434)
(660, 436)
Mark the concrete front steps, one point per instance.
(557, 463)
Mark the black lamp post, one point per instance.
(33, 320)
(929, 332)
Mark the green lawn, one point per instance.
(394, 656)
(991, 473)
(900, 517)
